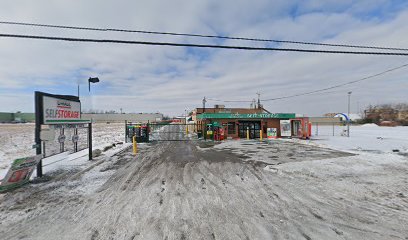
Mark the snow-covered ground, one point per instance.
(324, 188)
(364, 138)
(16, 141)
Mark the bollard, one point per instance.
(134, 145)
(247, 133)
(187, 129)
(260, 135)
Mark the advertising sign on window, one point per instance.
(285, 128)
(272, 133)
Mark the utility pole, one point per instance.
(253, 104)
(204, 101)
(348, 114)
(259, 100)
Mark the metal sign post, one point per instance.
(38, 121)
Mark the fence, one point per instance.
(329, 129)
(163, 131)
(64, 138)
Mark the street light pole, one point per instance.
(92, 80)
(348, 115)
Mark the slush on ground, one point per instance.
(324, 188)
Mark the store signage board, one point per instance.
(19, 173)
(246, 116)
(60, 111)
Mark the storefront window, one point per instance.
(231, 128)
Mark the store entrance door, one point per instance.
(253, 127)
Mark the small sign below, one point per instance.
(75, 138)
(47, 134)
(19, 173)
(61, 138)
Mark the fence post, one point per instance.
(62, 145)
(149, 130)
(126, 131)
(90, 140)
(76, 142)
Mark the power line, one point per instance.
(201, 36)
(228, 101)
(316, 91)
(338, 85)
(68, 39)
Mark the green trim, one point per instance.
(68, 121)
(246, 115)
(12, 186)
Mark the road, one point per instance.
(175, 190)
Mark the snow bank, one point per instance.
(369, 125)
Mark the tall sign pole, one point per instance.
(38, 121)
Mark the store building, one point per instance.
(250, 123)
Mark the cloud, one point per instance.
(170, 80)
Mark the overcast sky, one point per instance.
(170, 80)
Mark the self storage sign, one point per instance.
(59, 111)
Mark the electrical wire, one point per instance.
(336, 86)
(319, 90)
(227, 101)
(201, 36)
(68, 39)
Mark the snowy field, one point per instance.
(368, 138)
(16, 141)
(329, 187)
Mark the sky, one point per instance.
(172, 80)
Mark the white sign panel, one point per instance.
(47, 134)
(60, 111)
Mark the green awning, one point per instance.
(245, 116)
